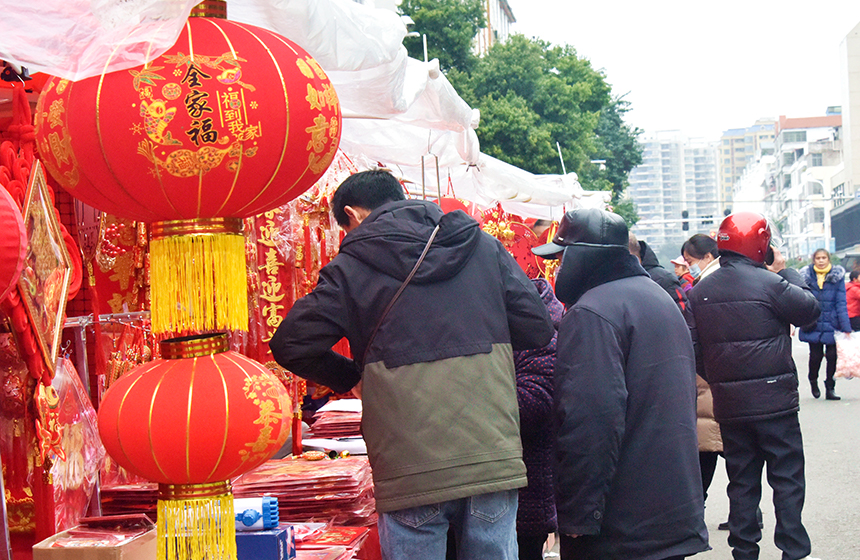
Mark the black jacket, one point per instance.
(440, 413)
(664, 278)
(627, 462)
(742, 314)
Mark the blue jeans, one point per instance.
(485, 527)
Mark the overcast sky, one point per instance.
(704, 67)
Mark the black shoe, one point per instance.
(724, 526)
(816, 392)
(831, 396)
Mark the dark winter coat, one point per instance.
(834, 310)
(536, 512)
(742, 313)
(440, 414)
(665, 279)
(627, 461)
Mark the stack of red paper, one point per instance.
(335, 424)
(337, 491)
(340, 543)
(130, 498)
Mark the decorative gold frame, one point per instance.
(44, 282)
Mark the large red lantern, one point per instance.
(232, 121)
(191, 421)
(13, 243)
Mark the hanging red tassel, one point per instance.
(309, 258)
(323, 251)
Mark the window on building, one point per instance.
(786, 181)
(816, 187)
(817, 160)
(817, 215)
(798, 153)
(794, 136)
(788, 158)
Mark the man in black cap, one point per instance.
(627, 462)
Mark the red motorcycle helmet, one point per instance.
(746, 233)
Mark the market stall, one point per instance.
(163, 151)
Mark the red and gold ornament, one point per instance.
(191, 421)
(232, 121)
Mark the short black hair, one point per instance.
(366, 189)
(854, 274)
(700, 245)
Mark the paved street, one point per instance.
(831, 437)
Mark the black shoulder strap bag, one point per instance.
(397, 295)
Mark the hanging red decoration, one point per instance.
(191, 421)
(13, 243)
(232, 121)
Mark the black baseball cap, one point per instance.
(587, 227)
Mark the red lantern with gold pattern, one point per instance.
(232, 121)
(13, 243)
(191, 421)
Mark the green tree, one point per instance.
(536, 98)
(450, 26)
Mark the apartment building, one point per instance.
(678, 174)
(807, 171)
(499, 18)
(737, 150)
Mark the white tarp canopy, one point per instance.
(398, 111)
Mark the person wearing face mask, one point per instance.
(702, 256)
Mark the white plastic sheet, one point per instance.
(396, 110)
(77, 39)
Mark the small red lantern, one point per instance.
(230, 122)
(191, 421)
(13, 243)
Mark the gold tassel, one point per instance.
(198, 280)
(195, 528)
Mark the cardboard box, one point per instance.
(93, 539)
(273, 544)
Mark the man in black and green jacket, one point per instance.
(437, 381)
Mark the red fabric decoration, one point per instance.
(231, 121)
(194, 420)
(449, 204)
(13, 243)
(521, 249)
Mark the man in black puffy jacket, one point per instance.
(627, 463)
(743, 312)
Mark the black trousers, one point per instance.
(708, 466)
(531, 546)
(817, 351)
(855, 323)
(748, 447)
(572, 548)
